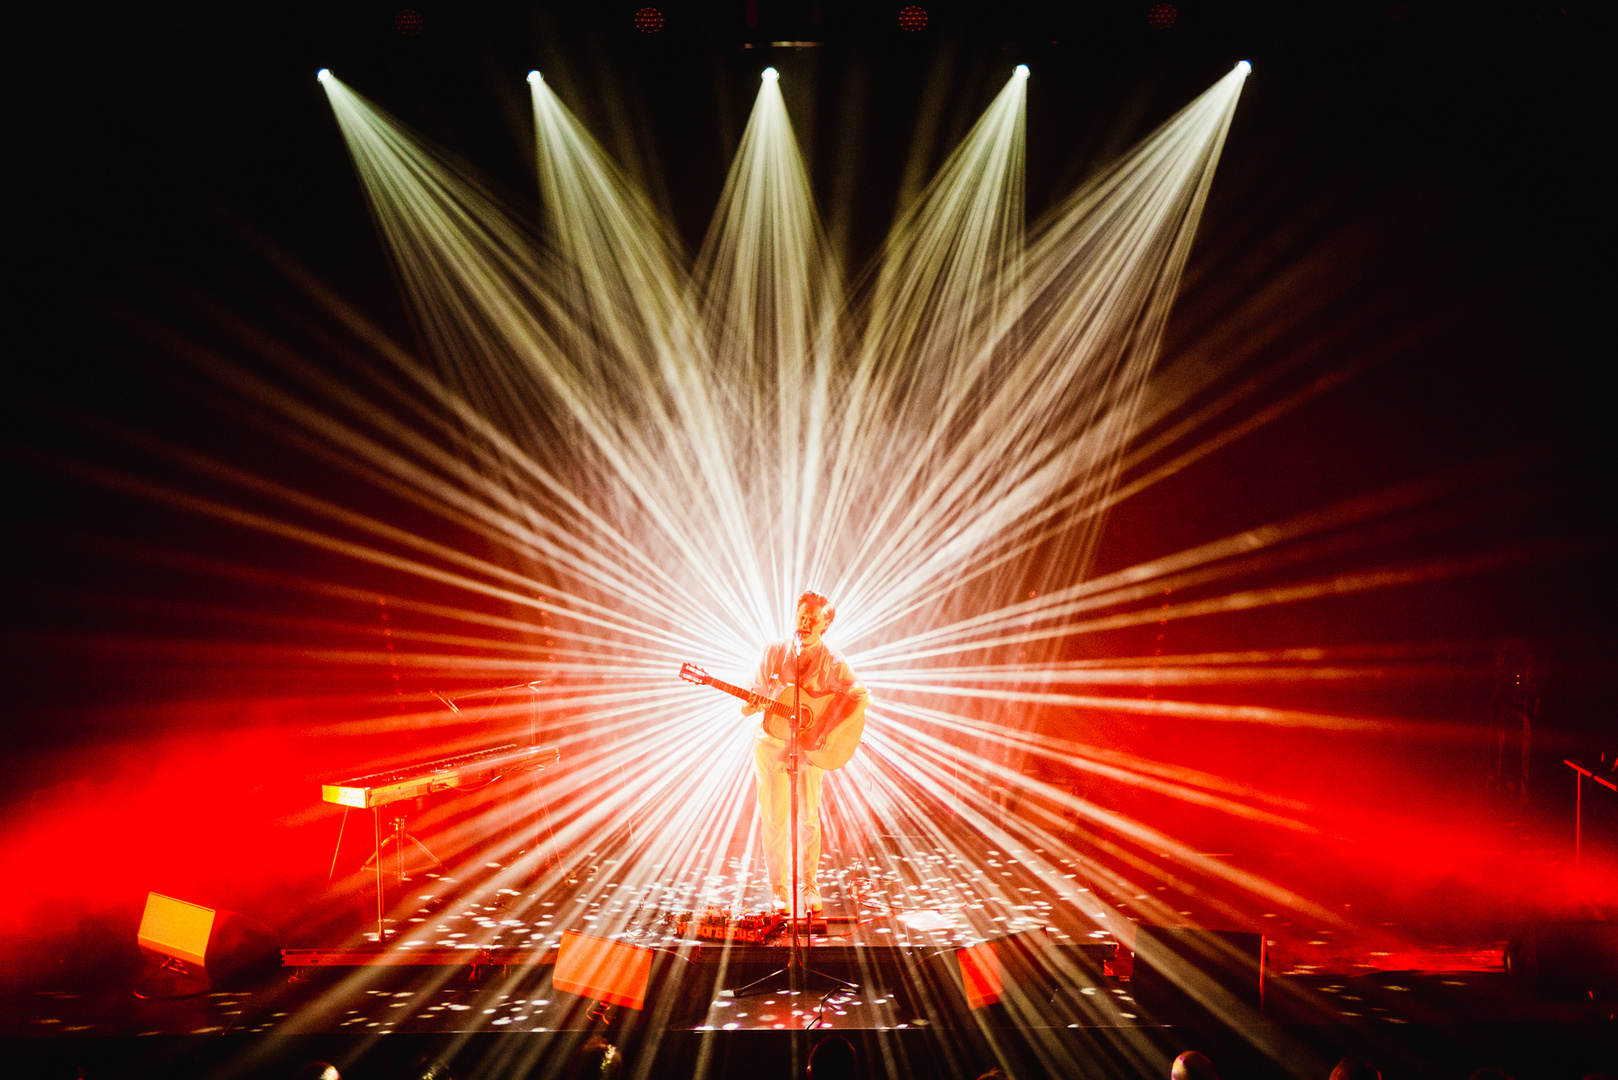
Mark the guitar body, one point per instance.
(841, 742)
(815, 711)
(835, 719)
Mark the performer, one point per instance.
(824, 671)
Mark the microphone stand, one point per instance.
(794, 956)
(796, 971)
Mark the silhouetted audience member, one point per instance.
(1353, 1068)
(833, 1058)
(597, 1059)
(427, 1068)
(1192, 1066)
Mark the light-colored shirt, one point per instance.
(823, 672)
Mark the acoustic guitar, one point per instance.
(841, 740)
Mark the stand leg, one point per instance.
(398, 848)
(331, 873)
(757, 985)
(795, 973)
(376, 835)
(794, 961)
(400, 837)
(174, 978)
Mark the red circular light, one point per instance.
(649, 20)
(407, 21)
(912, 18)
(1161, 16)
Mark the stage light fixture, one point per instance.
(1022, 71)
(1243, 66)
(912, 18)
(323, 75)
(649, 20)
(1161, 16)
(535, 77)
(770, 75)
(408, 22)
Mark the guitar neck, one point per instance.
(751, 698)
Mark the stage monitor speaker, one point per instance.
(194, 942)
(1195, 974)
(983, 974)
(175, 928)
(602, 969)
(1565, 960)
(1029, 966)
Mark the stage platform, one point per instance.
(381, 1021)
(465, 978)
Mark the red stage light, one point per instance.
(1161, 16)
(407, 21)
(649, 20)
(912, 18)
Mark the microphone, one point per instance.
(445, 700)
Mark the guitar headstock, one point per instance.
(693, 674)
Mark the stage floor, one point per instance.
(899, 892)
(471, 953)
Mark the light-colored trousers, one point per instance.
(775, 809)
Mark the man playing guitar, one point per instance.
(824, 673)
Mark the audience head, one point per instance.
(833, 1058)
(597, 1059)
(427, 1068)
(1353, 1068)
(1192, 1066)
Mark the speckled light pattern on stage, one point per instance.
(911, 905)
